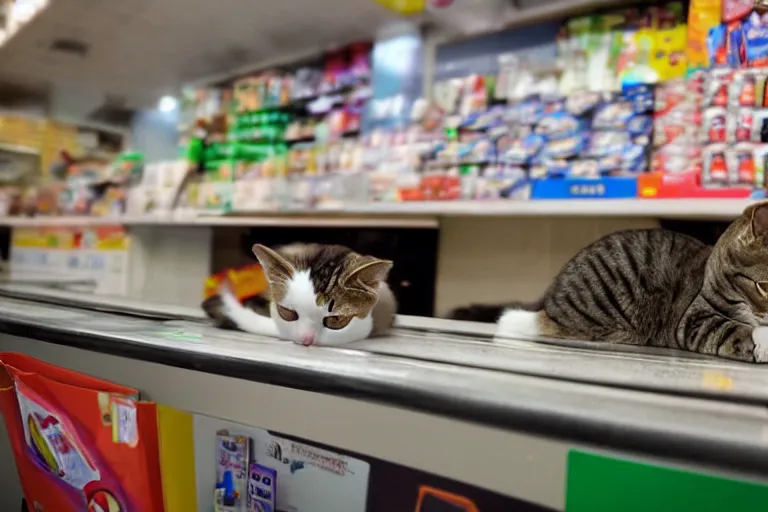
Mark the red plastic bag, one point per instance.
(80, 443)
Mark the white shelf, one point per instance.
(421, 213)
(275, 219)
(726, 209)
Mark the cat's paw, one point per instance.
(760, 339)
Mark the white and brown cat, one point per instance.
(325, 295)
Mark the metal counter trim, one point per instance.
(688, 429)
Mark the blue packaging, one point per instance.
(262, 489)
(565, 148)
(613, 115)
(520, 151)
(755, 33)
(716, 47)
(640, 125)
(641, 96)
(528, 112)
(735, 45)
(560, 125)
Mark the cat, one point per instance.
(658, 288)
(323, 295)
(214, 308)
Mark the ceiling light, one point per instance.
(167, 104)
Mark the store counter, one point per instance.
(436, 406)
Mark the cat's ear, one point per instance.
(370, 272)
(758, 215)
(277, 268)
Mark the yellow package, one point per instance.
(703, 15)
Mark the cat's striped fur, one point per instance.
(661, 288)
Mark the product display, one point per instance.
(643, 101)
(278, 136)
(288, 473)
(708, 139)
(232, 473)
(262, 489)
(155, 191)
(243, 485)
(98, 255)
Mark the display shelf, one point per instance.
(276, 219)
(419, 213)
(660, 208)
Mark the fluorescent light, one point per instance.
(167, 104)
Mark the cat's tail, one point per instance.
(244, 318)
(488, 313)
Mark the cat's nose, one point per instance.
(308, 339)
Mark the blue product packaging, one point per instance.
(640, 125)
(521, 113)
(613, 115)
(520, 151)
(635, 158)
(564, 148)
(735, 47)
(560, 125)
(716, 47)
(262, 489)
(755, 33)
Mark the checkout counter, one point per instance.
(438, 405)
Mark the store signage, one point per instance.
(599, 483)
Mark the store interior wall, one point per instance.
(498, 259)
(169, 264)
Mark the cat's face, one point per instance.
(322, 294)
(741, 258)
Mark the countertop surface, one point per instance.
(651, 401)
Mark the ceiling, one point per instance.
(138, 50)
(141, 49)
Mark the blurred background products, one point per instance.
(665, 100)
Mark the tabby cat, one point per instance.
(658, 288)
(321, 295)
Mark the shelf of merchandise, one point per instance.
(726, 209)
(271, 219)
(419, 213)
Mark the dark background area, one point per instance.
(413, 251)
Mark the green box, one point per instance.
(597, 483)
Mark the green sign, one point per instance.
(603, 484)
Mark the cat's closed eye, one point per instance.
(762, 288)
(336, 322)
(286, 314)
